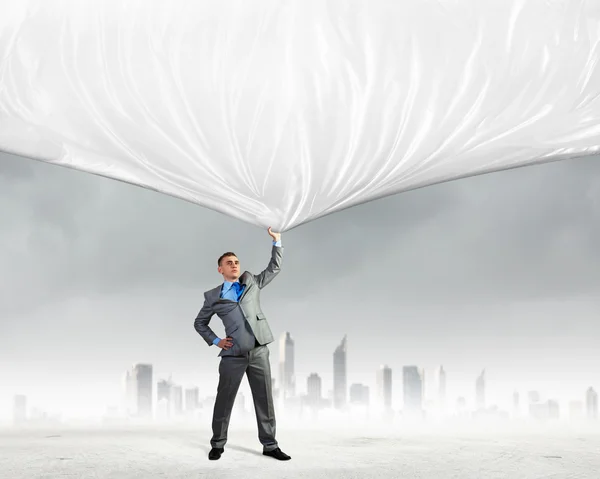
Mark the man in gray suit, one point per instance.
(244, 350)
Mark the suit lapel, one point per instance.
(243, 279)
(217, 291)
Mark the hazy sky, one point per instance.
(499, 272)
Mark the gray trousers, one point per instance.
(257, 367)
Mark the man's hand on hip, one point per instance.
(226, 343)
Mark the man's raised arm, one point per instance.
(201, 323)
(274, 266)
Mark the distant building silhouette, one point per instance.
(142, 375)
(413, 389)
(591, 402)
(359, 394)
(163, 390)
(543, 411)
(480, 390)
(192, 399)
(170, 397)
(442, 388)
(516, 405)
(164, 393)
(314, 396)
(287, 389)
(384, 387)
(177, 400)
(340, 375)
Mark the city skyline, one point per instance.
(461, 274)
(149, 397)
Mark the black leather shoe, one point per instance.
(215, 453)
(277, 454)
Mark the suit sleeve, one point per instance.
(201, 323)
(272, 269)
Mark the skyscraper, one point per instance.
(384, 387)
(413, 388)
(192, 399)
(516, 404)
(163, 390)
(142, 374)
(163, 398)
(591, 397)
(442, 388)
(480, 390)
(314, 390)
(339, 375)
(286, 367)
(177, 400)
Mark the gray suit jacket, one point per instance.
(244, 321)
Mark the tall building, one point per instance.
(553, 409)
(142, 374)
(384, 387)
(163, 390)
(287, 378)
(516, 405)
(423, 380)
(163, 398)
(442, 388)
(314, 390)
(170, 397)
(177, 400)
(480, 390)
(340, 379)
(591, 403)
(192, 399)
(413, 389)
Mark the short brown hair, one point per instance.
(225, 255)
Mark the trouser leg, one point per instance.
(231, 372)
(259, 377)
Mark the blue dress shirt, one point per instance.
(233, 291)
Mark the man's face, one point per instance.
(230, 268)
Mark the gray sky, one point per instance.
(499, 271)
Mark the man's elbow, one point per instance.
(198, 326)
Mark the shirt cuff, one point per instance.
(216, 341)
(277, 243)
